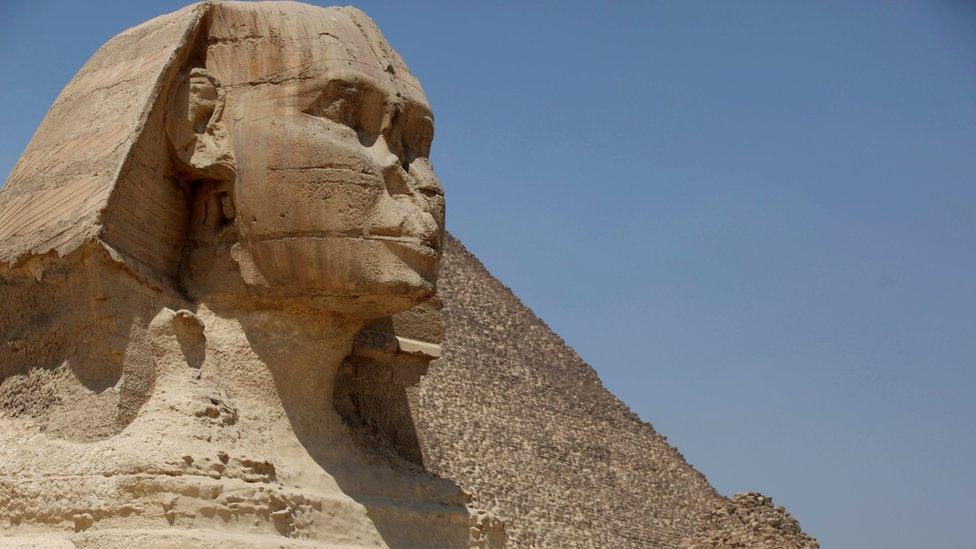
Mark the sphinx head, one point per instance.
(304, 142)
(254, 152)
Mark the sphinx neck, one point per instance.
(289, 364)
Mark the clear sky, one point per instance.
(756, 220)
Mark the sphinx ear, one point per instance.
(195, 127)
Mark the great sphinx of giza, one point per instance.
(191, 249)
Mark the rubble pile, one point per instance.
(750, 520)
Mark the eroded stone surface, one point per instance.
(749, 520)
(217, 204)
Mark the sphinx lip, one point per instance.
(409, 241)
(418, 255)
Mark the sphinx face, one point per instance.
(335, 195)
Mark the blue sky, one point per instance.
(756, 220)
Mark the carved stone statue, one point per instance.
(223, 209)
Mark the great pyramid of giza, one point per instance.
(517, 418)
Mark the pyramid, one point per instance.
(518, 419)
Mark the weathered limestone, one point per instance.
(749, 520)
(214, 208)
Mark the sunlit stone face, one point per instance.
(335, 195)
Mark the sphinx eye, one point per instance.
(340, 102)
(355, 105)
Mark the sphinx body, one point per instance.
(228, 209)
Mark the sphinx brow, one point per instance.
(265, 79)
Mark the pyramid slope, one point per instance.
(517, 418)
